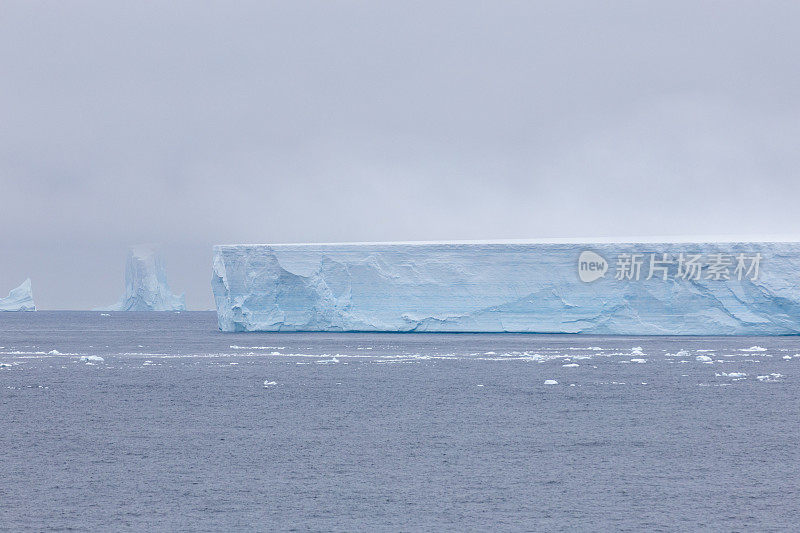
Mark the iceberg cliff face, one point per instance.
(19, 299)
(601, 288)
(146, 287)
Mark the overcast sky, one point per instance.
(193, 123)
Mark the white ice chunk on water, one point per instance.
(637, 350)
(787, 357)
(640, 361)
(754, 349)
(54, 352)
(146, 287)
(704, 359)
(571, 365)
(19, 299)
(550, 382)
(681, 353)
(268, 383)
(774, 376)
(91, 359)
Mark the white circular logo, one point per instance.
(591, 266)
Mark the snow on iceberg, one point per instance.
(654, 288)
(19, 299)
(146, 287)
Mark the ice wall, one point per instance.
(146, 287)
(603, 288)
(19, 299)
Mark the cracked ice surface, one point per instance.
(495, 287)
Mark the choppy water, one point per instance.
(181, 427)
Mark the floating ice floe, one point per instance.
(268, 383)
(640, 361)
(236, 347)
(637, 350)
(753, 349)
(680, 353)
(54, 352)
(787, 357)
(770, 377)
(330, 361)
(91, 359)
(571, 365)
(550, 382)
(5, 365)
(704, 359)
(736, 375)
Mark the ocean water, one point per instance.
(157, 421)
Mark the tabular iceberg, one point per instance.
(146, 287)
(19, 299)
(657, 288)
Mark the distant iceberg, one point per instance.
(146, 287)
(19, 299)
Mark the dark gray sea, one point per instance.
(159, 422)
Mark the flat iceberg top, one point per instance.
(674, 239)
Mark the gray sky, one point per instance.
(194, 123)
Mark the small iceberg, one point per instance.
(19, 299)
(91, 359)
(268, 383)
(704, 359)
(550, 382)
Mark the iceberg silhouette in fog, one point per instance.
(146, 287)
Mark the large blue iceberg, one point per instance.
(146, 287)
(19, 299)
(659, 288)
